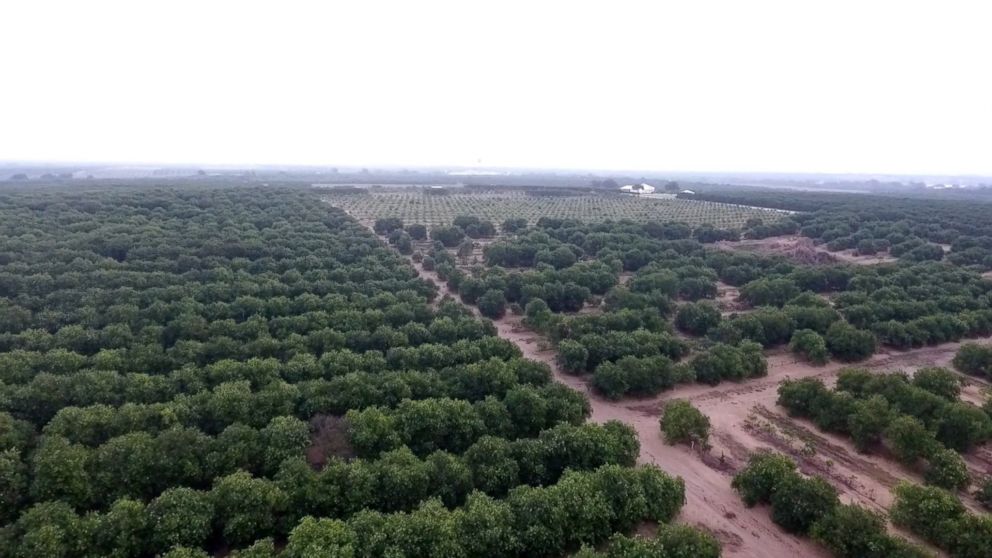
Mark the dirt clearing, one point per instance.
(802, 250)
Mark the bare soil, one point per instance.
(728, 299)
(328, 438)
(802, 250)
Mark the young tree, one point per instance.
(513, 225)
(764, 471)
(849, 343)
(683, 423)
(387, 225)
(868, 421)
(909, 439)
(810, 345)
(798, 502)
(697, 318)
(321, 537)
(247, 508)
(181, 516)
(938, 381)
(492, 304)
(572, 355)
(416, 231)
(974, 359)
(946, 469)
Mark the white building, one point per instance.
(637, 189)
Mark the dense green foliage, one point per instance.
(918, 419)
(809, 505)
(189, 370)
(810, 345)
(939, 517)
(697, 318)
(765, 470)
(671, 541)
(974, 359)
(681, 423)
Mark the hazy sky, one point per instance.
(835, 86)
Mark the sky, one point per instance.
(791, 86)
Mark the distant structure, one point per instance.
(637, 189)
(687, 192)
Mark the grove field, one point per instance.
(416, 206)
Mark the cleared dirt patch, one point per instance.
(728, 299)
(328, 438)
(802, 250)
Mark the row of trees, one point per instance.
(454, 424)
(940, 518)
(810, 506)
(974, 359)
(582, 508)
(450, 236)
(248, 396)
(309, 333)
(632, 375)
(918, 420)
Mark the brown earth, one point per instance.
(728, 299)
(802, 250)
(328, 438)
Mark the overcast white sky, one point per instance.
(831, 86)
